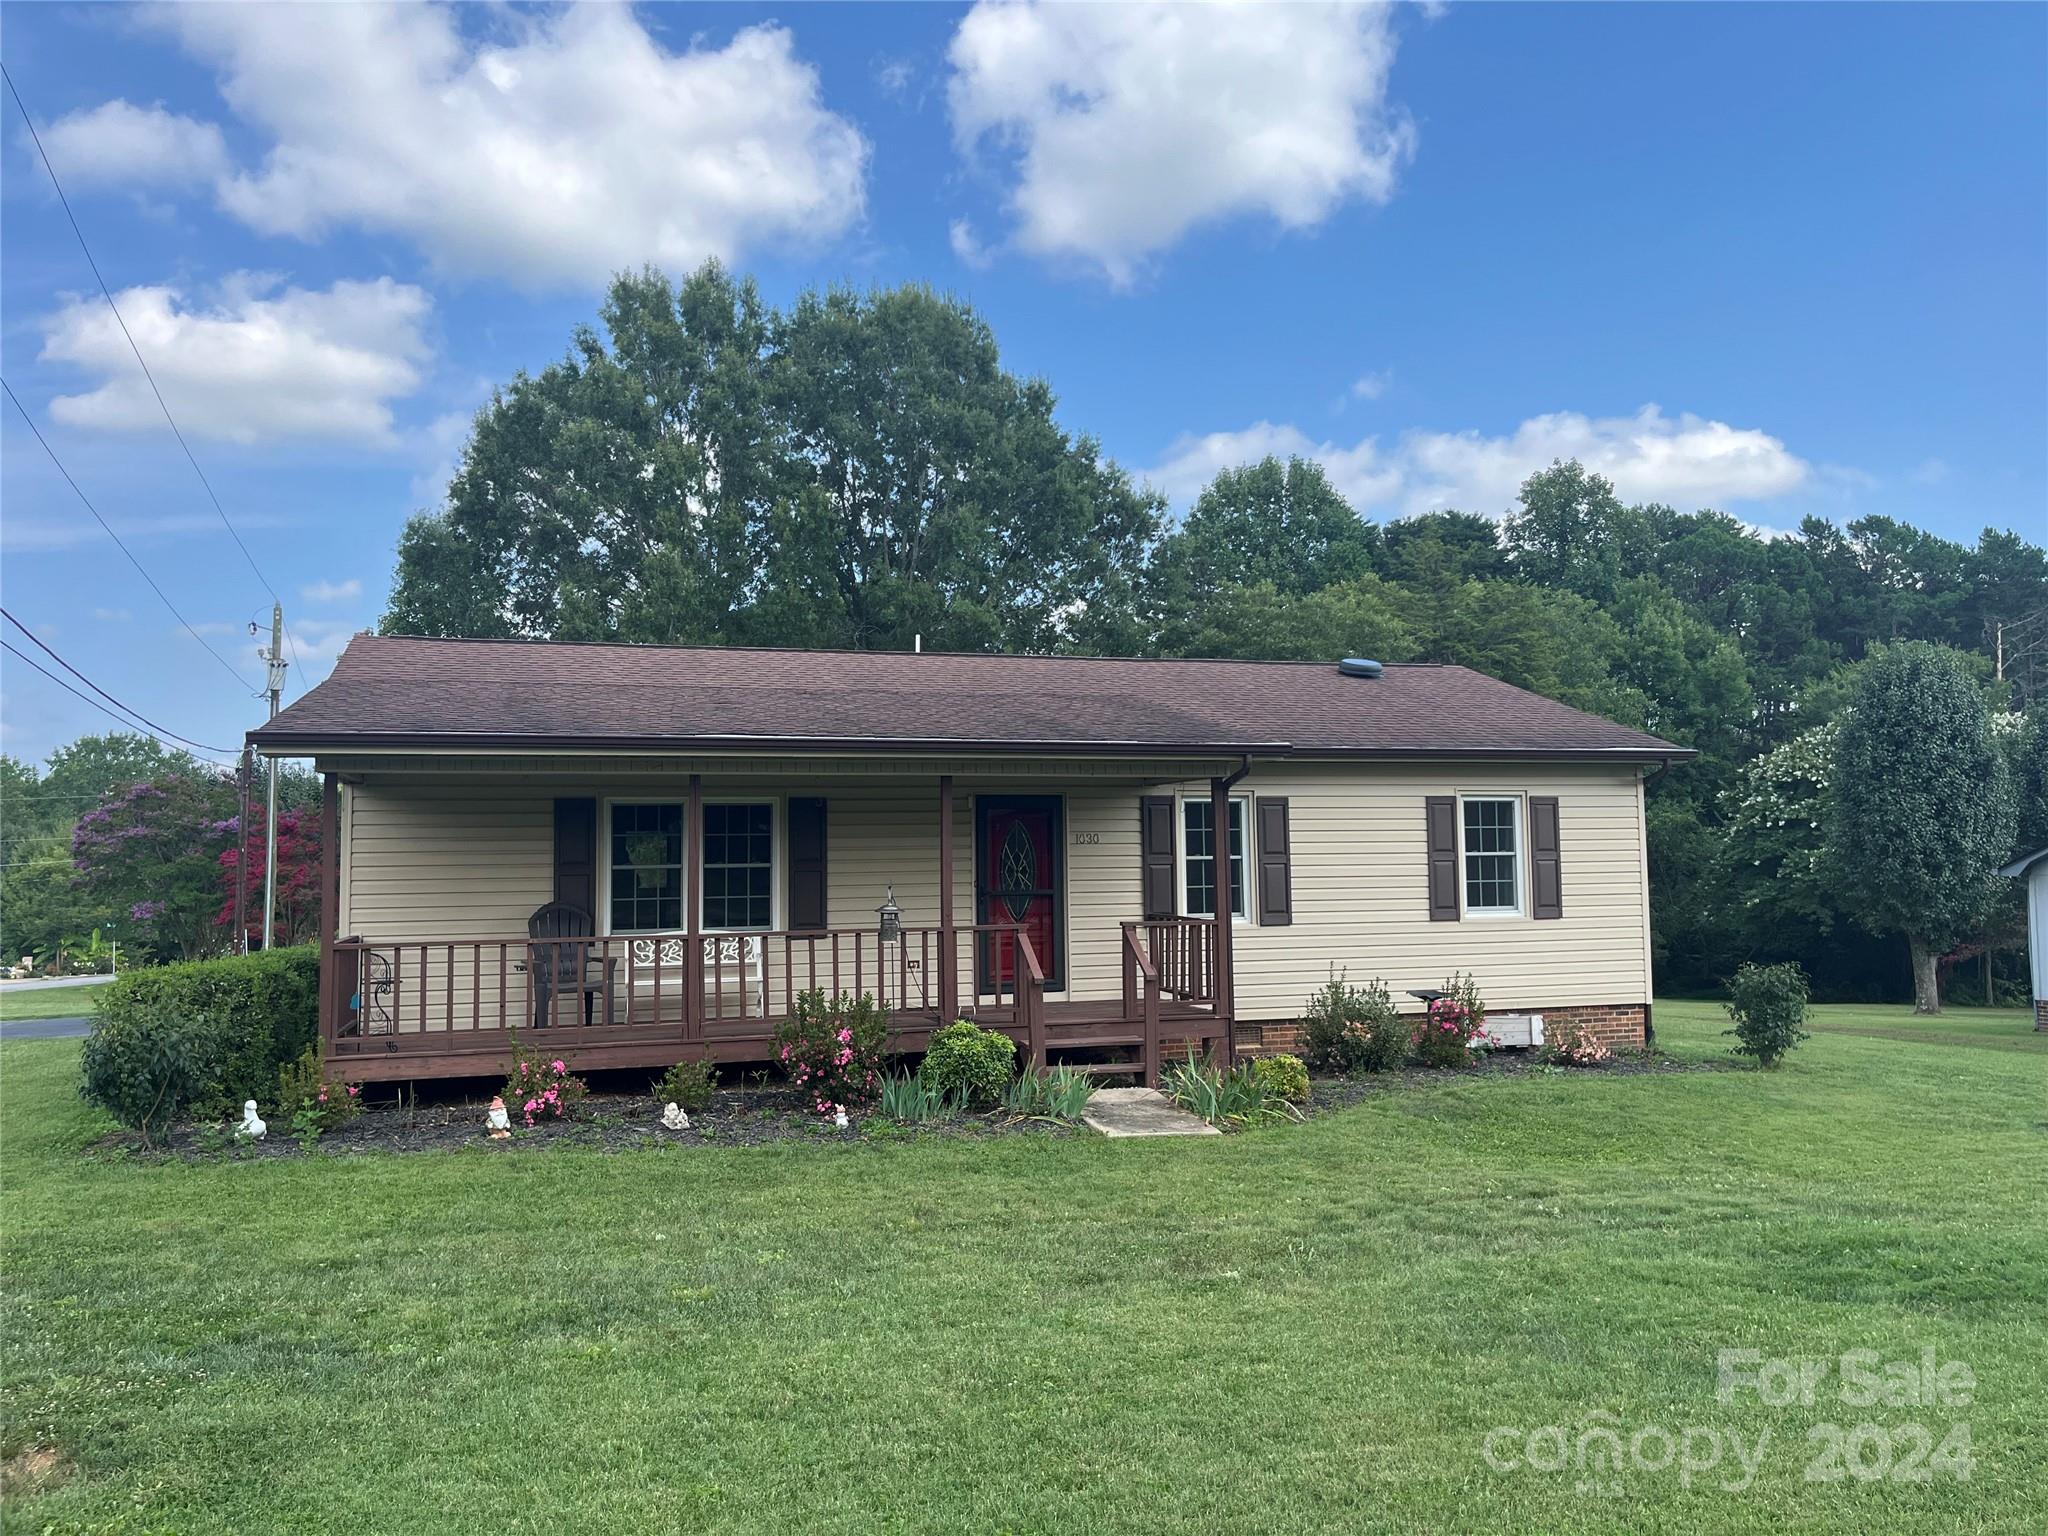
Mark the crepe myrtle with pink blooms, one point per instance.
(833, 1050)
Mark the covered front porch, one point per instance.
(1045, 945)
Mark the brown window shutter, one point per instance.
(806, 863)
(1155, 849)
(1546, 878)
(576, 853)
(1441, 817)
(1276, 864)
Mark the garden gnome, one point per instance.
(673, 1117)
(840, 1118)
(499, 1121)
(252, 1125)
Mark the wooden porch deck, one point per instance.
(457, 1007)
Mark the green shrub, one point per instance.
(1284, 1077)
(309, 1102)
(201, 1036)
(1061, 1093)
(1768, 1005)
(262, 1012)
(156, 1062)
(1347, 1029)
(687, 1083)
(975, 1063)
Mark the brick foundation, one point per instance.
(1614, 1024)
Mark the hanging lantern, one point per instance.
(891, 916)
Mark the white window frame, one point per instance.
(777, 857)
(1521, 857)
(1241, 810)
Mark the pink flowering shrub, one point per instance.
(1455, 1023)
(541, 1087)
(310, 1102)
(833, 1051)
(1572, 1044)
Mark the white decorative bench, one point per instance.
(733, 970)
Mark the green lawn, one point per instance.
(1307, 1328)
(47, 1002)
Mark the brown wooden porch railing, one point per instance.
(412, 995)
(1183, 951)
(1141, 999)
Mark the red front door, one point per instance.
(1017, 880)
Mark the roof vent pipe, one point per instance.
(1358, 666)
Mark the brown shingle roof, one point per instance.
(398, 691)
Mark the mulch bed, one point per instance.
(449, 1117)
(609, 1122)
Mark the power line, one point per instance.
(95, 511)
(160, 730)
(108, 294)
(8, 645)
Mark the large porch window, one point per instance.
(1198, 859)
(646, 866)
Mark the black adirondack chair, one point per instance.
(559, 969)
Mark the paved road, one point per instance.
(74, 1028)
(52, 983)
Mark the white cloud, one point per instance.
(1370, 386)
(1686, 461)
(332, 591)
(1131, 124)
(567, 145)
(118, 141)
(1929, 472)
(967, 245)
(258, 363)
(112, 615)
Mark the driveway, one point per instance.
(53, 983)
(75, 1026)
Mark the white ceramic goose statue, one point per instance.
(252, 1125)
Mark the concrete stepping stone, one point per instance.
(1141, 1112)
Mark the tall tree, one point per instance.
(1571, 531)
(151, 852)
(853, 472)
(1283, 525)
(1920, 806)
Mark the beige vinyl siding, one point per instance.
(447, 857)
(1361, 901)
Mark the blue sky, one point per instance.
(1776, 259)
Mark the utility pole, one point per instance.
(244, 768)
(274, 660)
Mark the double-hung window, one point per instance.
(1492, 844)
(1198, 859)
(739, 865)
(645, 866)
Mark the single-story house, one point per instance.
(650, 852)
(2033, 868)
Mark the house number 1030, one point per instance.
(1086, 838)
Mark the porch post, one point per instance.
(330, 906)
(1226, 979)
(949, 958)
(693, 944)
